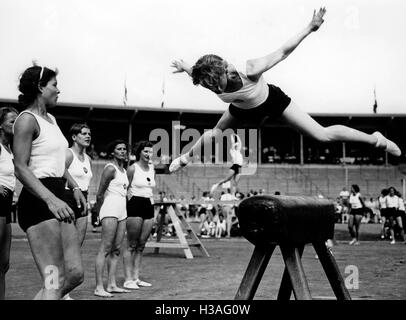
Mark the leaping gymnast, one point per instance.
(251, 98)
(237, 160)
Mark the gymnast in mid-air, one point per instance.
(252, 99)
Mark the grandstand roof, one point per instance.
(102, 112)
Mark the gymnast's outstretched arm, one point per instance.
(256, 67)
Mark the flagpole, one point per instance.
(163, 93)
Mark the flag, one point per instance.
(125, 93)
(375, 102)
(163, 93)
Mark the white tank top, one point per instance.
(119, 184)
(48, 150)
(80, 171)
(7, 177)
(355, 202)
(392, 202)
(401, 204)
(251, 94)
(143, 181)
(382, 202)
(236, 157)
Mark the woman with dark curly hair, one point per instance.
(39, 156)
(111, 207)
(140, 211)
(253, 100)
(356, 213)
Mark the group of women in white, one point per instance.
(53, 202)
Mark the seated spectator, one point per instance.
(220, 227)
(209, 227)
(235, 228)
(228, 209)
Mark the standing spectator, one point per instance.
(7, 185)
(356, 213)
(227, 209)
(78, 164)
(111, 206)
(392, 204)
(39, 149)
(140, 211)
(383, 211)
(220, 226)
(400, 216)
(344, 197)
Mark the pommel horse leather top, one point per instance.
(291, 223)
(268, 219)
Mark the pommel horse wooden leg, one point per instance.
(332, 272)
(295, 264)
(291, 223)
(255, 271)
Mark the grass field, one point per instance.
(381, 269)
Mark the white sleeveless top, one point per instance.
(7, 177)
(142, 182)
(48, 150)
(401, 204)
(355, 202)
(119, 184)
(392, 202)
(251, 94)
(382, 202)
(236, 157)
(80, 171)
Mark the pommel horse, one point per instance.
(290, 222)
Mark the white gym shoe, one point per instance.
(141, 283)
(67, 297)
(179, 163)
(393, 242)
(130, 284)
(353, 241)
(388, 145)
(213, 188)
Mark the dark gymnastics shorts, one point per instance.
(70, 200)
(140, 207)
(273, 107)
(6, 203)
(392, 213)
(236, 168)
(359, 211)
(32, 210)
(384, 212)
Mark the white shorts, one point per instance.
(114, 206)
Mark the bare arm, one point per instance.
(24, 130)
(256, 67)
(181, 66)
(130, 175)
(107, 175)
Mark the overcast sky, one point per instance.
(97, 45)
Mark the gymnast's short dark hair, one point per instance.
(207, 71)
